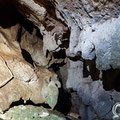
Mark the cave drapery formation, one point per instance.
(49, 46)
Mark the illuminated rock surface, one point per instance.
(77, 41)
(31, 113)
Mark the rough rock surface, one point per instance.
(97, 102)
(93, 38)
(82, 33)
(97, 19)
(19, 79)
(48, 25)
(31, 113)
(34, 45)
(103, 42)
(94, 19)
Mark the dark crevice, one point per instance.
(64, 99)
(29, 26)
(55, 66)
(76, 57)
(64, 102)
(93, 71)
(111, 79)
(60, 54)
(19, 35)
(65, 44)
(65, 40)
(47, 53)
(21, 102)
(27, 56)
(38, 34)
(8, 14)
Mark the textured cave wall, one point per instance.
(79, 37)
(91, 28)
(21, 79)
(97, 19)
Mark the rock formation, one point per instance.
(75, 41)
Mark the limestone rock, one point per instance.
(84, 31)
(23, 81)
(83, 18)
(97, 102)
(103, 43)
(55, 33)
(34, 45)
(95, 16)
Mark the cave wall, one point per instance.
(78, 41)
